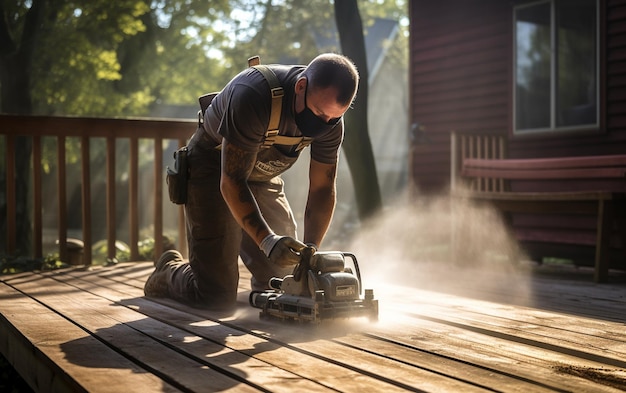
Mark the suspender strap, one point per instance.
(277, 94)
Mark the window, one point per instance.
(556, 66)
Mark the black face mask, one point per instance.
(311, 125)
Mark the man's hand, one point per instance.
(283, 251)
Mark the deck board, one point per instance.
(93, 330)
(43, 347)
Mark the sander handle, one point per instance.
(356, 268)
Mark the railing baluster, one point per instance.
(61, 186)
(133, 198)
(11, 195)
(454, 165)
(158, 197)
(110, 197)
(86, 198)
(37, 204)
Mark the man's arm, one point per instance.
(237, 164)
(321, 201)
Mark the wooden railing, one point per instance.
(36, 127)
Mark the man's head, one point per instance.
(324, 92)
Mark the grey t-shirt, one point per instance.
(241, 111)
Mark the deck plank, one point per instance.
(302, 367)
(536, 366)
(404, 374)
(318, 359)
(599, 338)
(426, 340)
(40, 351)
(128, 332)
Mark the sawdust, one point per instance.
(436, 243)
(615, 378)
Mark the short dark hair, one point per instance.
(331, 69)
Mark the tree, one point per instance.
(96, 58)
(104, 58)
(357, 144)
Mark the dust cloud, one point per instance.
(442, 244)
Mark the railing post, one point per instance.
(158, 197)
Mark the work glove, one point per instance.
(283, 251)
(305, 261)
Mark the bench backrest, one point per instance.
(585, 167)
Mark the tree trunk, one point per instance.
(15, 70)
(357, 146)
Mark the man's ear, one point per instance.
(301, 85)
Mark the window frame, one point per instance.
(553, 128)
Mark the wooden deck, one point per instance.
(92, 330)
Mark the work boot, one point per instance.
(157, 284)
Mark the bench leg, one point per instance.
(601, 272)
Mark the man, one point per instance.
(234, 181)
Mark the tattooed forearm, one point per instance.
(238, 163)
(253, 222)
(237, 166)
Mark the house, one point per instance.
(547, 75)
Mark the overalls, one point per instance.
(215, 239)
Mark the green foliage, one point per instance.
(99, 253)
(81, 62)
(105, 58)
(122, 250)
(118, 58)
(10, 264)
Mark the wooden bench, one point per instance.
(586, 185)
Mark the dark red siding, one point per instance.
(615, 76)
(461, 65)
(460, 77)
(461, 69)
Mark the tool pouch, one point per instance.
(177, 177)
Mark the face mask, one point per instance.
(311, 125)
